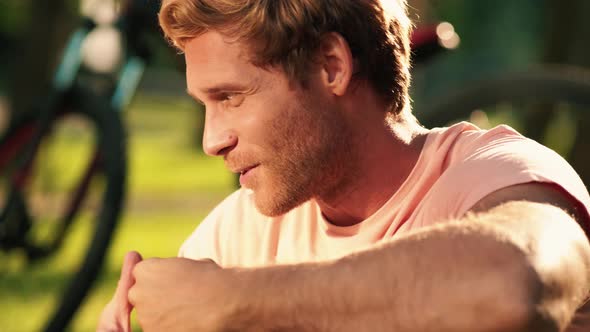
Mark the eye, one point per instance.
(231, 99)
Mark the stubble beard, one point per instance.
(309, 161)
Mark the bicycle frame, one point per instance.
(65, 77)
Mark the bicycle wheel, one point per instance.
(60, 208)
(550, 105)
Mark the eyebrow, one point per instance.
(223, 87)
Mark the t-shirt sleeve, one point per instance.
(496, 159)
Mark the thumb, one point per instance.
(126, 281)
(116, 314)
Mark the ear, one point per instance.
(337, 63)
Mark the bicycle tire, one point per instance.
(546, 84)
(111, 144)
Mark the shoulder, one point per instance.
(480, 162)
(465, 141)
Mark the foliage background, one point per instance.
(172, 185)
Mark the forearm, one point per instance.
(449, 278)
(464, 276)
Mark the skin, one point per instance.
(258, 118)
(116, 314)
(300, 137)
(518, 262)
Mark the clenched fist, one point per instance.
(177, 294)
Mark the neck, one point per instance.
(385, 153)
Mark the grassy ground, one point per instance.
(171, 188)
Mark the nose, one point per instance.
(217, 139)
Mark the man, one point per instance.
(353, 217)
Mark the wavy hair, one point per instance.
(287, 33)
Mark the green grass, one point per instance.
(29, 293)
(172, 186)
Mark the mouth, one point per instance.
(245, 174)
(244, 170)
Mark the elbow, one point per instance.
(506, 296)
(529, 315)
(529, 318)
(537, 301)
(544, 278)
(536, 314)
(519, 306)
(519, 297)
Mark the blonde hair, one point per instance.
(287, 33)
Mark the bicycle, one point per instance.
(107, 104)
(29, 226)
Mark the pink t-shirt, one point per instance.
(458, 166)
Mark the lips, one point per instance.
(246, 175)
(244, 170)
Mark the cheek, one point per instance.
(268, 127)
(280, 123)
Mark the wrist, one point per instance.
(244, 307)
(272, 298)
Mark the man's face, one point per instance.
(287, 142)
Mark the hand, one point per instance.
(177, 294)
(115, 316)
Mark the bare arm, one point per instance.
(515, 266)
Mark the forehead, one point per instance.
(212, 58)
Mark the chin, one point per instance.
(274, 204)
(270, 208)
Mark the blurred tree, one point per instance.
(495, 36)
(565, 43)
(40, 44)
(560, 23)
(579, 54)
